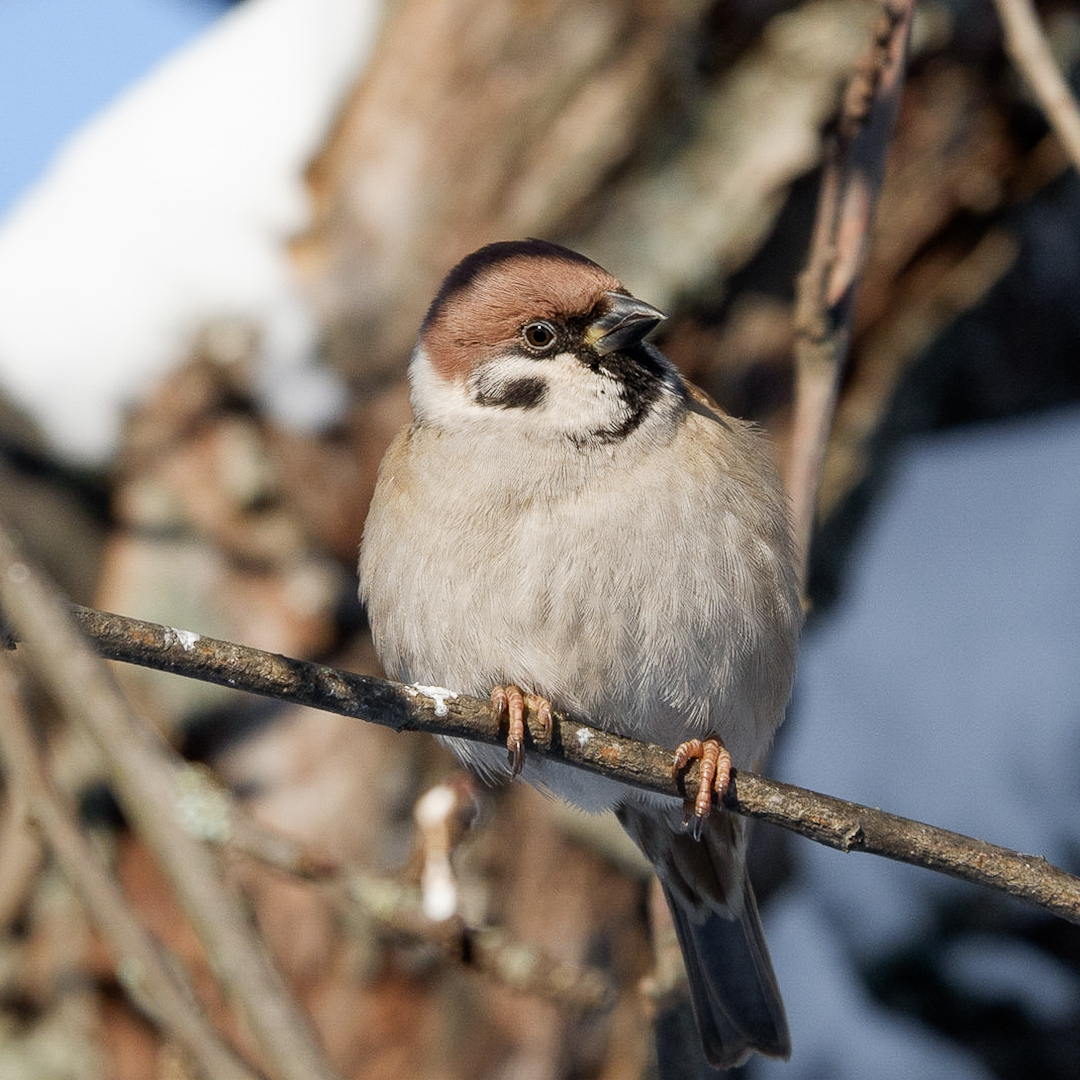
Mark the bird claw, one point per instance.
(715, 777)
(511, 705)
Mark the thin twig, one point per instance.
(1027, 46)
(144, 775)
(20, 856)
(152, 977)
(827, 820)
(395, 907)
(850, 183)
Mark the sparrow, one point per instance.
(567, 523)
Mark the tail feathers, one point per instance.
(734, 992)
(732, 986)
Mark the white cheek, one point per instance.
(434, 399)
(576, 400)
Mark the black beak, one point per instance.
(625, 322)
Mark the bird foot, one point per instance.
(715, 776)
(512, 706)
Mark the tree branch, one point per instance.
(152, 977)
(145, 779)
(20, 856)
(850, 183)
(834, 822)
(1031, 54)
(396, 908)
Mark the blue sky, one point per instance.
(62, 60)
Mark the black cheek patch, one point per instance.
(524, 393)
(641, 379)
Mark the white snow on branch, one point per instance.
(171, 208)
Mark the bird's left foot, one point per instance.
(715, 776)
(510, 704)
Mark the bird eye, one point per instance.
(539, 335)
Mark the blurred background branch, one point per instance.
(824, 308)
(145, 776)
(151, 976)
(1029, 50)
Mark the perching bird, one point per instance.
(566, 517)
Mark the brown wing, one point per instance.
(703, 405)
